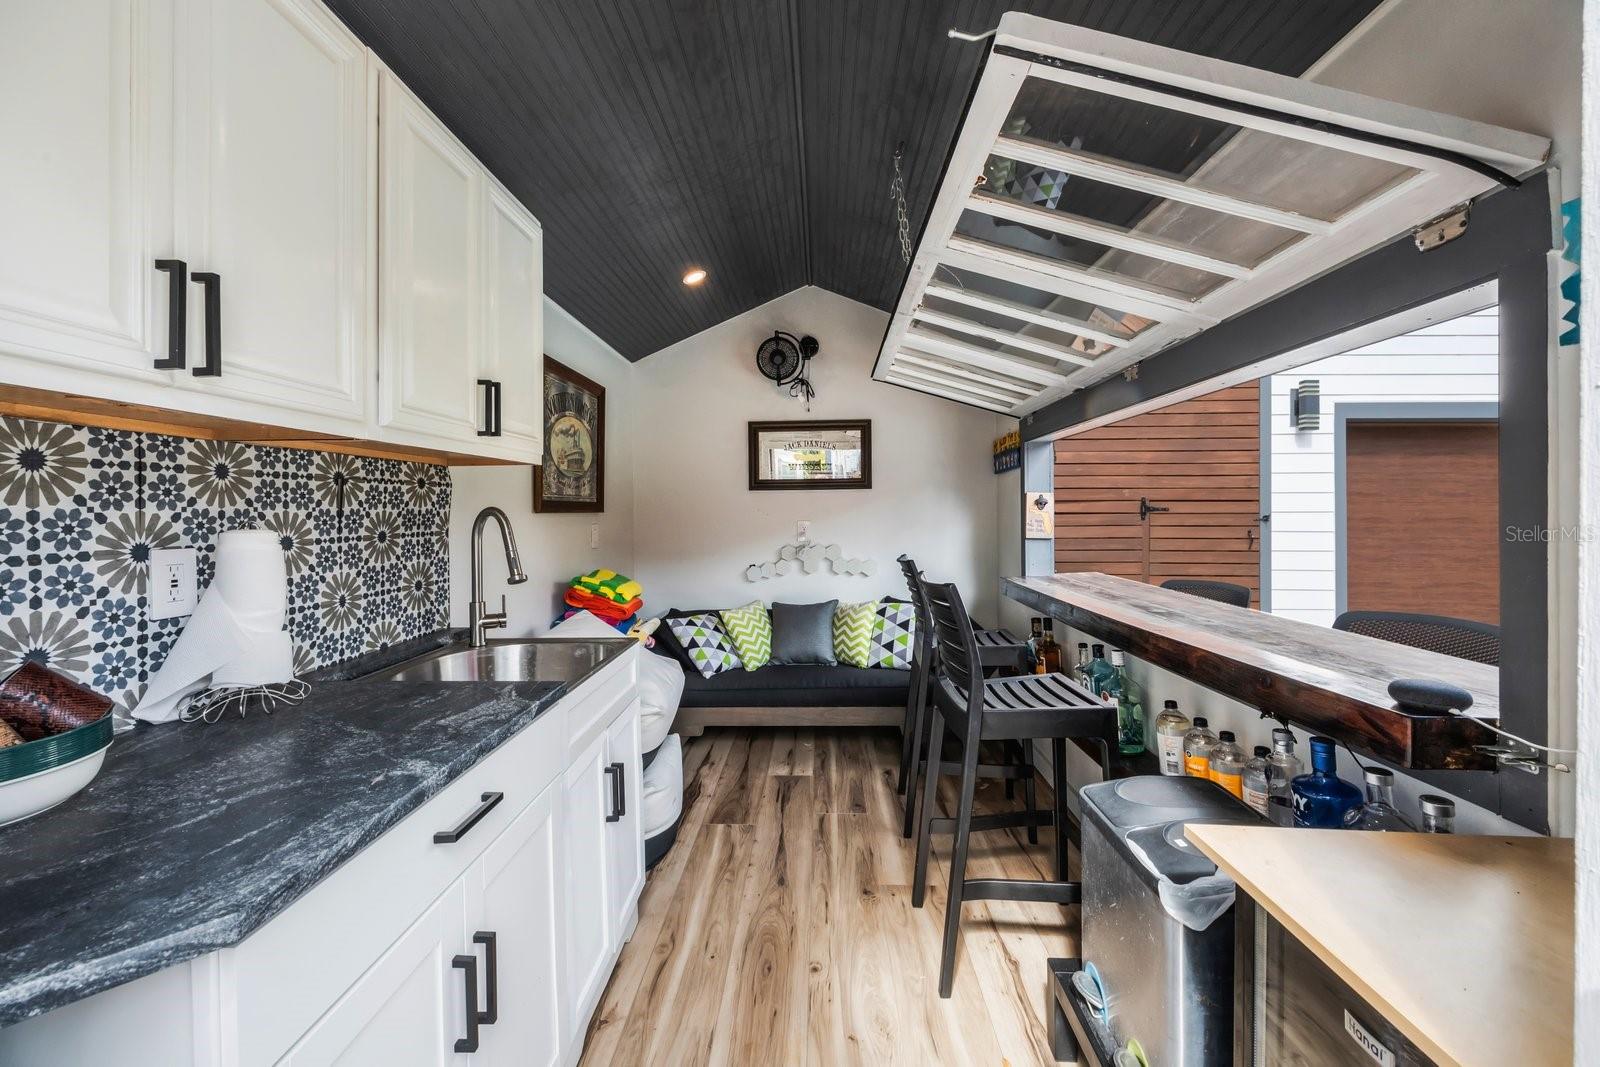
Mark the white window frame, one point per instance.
(973, 370)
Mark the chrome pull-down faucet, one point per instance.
(479, 617)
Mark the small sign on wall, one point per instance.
(1007, 452)
(1038, 515)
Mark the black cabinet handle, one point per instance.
(491, 969)
(469, 969)
(212, 284)
(177, 272)
(450, 837)
(491, 408)
(619, 793)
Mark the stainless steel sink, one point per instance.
(531, 660)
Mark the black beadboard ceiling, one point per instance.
(752, 137)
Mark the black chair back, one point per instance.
(960, 688)
(1462, 638)
(919, 605)
(1225, 592)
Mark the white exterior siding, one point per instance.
(1449, 362)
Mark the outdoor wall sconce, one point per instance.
(1305, 405)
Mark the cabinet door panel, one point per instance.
(430, 302)
(585, 904)
(273, 195)
(85, 199)
(516, 902)
(514, 336)
(625, 844)
(408, 1009)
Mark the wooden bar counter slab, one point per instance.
(1329, 681)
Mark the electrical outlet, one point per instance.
(594, 535)
(172, 582)
(802, 531)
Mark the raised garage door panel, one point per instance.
(1200, 459)
(1422, 518)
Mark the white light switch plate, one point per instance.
(802, 531)
(594, 535)
(172, 582)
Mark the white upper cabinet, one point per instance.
(274, 198)
(513, 350)
(430, 308)
(85, 188)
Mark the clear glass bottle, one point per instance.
(1378, 811)
(1098, 669)
(1080, 670)
(1438, 814)
(1197, 745)
(1171, 725)
(1227, 764)
(1256, 787)
(1322, 798)
(1035, 639)
(1283, 766)
(1130, 708)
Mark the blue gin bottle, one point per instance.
(1322, 798)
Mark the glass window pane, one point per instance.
(1100, 316)
(1281, 172)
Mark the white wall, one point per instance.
(699, 526)
(554, 548)
(1450, 362)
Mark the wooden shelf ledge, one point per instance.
(1329, 681)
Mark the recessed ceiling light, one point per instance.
(695, 276)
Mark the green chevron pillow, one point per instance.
(750, 627)
(852, 632)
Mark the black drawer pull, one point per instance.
(469, 969)
(491, 969)
(177, 314)
(491, 408)
(619, 793)
(450, 837)
(212, 284)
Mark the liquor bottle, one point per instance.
(1438, 814)
(1171, 725)
(1283, 766)
(1254, 781)
(1080, 670)
(1035, 638)
(1130, 708)
(1098, 669)
(1322, 798)
(1378, 812)
(1197, 745)
(1052, 649)
(1227, 764)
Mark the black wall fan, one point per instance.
(786, 359)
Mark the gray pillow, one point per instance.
(803, 633)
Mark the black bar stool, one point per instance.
(1022, 708)
(998, 650)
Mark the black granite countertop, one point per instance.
(193, 836)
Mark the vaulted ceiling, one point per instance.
(754, 138)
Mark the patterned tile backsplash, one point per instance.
(366, 543)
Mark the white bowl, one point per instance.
(22, 797)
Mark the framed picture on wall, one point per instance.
(811, 454)
(573, 474)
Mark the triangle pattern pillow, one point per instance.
(894, 632)
(706, 643)
(750, 628)
(852, 633)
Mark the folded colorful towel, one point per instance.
(607, 609)
(615, 587)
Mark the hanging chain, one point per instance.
(897, 193)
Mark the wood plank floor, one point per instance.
(779, 929)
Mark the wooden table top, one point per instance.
(1329, 680)
(1463, 943)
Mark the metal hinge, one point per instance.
(1443, 229)
(1509, 754)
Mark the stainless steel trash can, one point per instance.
(1165, 985)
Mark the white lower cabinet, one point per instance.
(480, 929)
(408, 1009)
